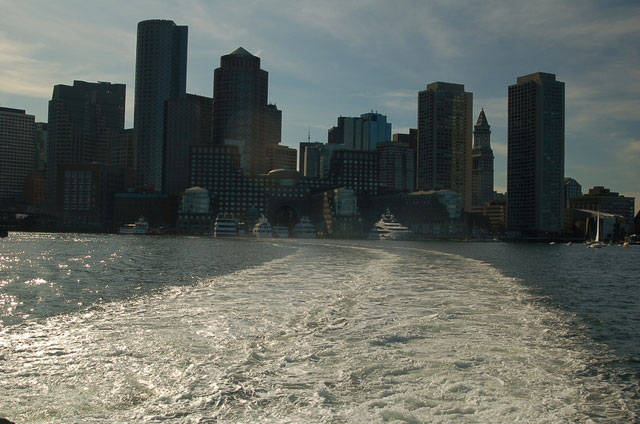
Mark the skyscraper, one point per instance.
(188, 122)
(241, 114)
(535, 159)
(482, 157)
(84, 119)
(363, 133)
(17, 151)
(444, 139)
(161, 74)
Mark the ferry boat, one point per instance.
(225, 226)
(280, 231)
(141, 226)
(304, 229)
(388, 228)
(262, 229)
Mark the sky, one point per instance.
(344, 58)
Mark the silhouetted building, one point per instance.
(188, 122)
(535, 161)
(160, 210)
(123, 150)
(444, 139)
(161, 74)
(572, 189)
(17, 152)
(84, 120)
(602, 199)
(496, 213)
(482, 157)
(362, 133)
(85, 194)
(356, 170)
(314, 161)
(281, 157)
(395, 167)
(242, 116)
(411, 140)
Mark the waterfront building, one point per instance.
(159, 210)
(482, 162)
(496, 213)
(356, 170)
(17, 152)
(281, 157)
(35, 187)
(572, 189)
(84, 119)
(362, 133)
(161, 74)
(194, 215)
(444, 139)
(188, 122)
(86, 193)
(535, 160)
(395, 167)
(241, 115)
(604, 200)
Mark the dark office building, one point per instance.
(362, 133)
(444, 139)
(356, 170)
(84, 119)
(188, 122)
(482, 159)
(161, 74)
(242, 116)
(395, 167)
(86, 193)
(535, 161)
(281, 157)
(310, 166)
(17, 131)
(411, 140)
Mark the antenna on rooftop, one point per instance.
(309, 135)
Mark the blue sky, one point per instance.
(332, 58)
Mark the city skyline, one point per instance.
(326, 61)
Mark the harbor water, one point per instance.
(112, 328)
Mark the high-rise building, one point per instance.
(411, 140)
(161, 74)
(356, 170)
(241, 114)
(188, 122)
(314, 160)
(535, 159)
(17, 152)
(84, 119)
(362, 133)
(395, 167)
(444, 139)
(482, 159)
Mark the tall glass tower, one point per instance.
(161, 74)
(535, 158)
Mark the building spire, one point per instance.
(482, 119)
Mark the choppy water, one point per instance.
(197, 330)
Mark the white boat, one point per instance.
(225, 226)
(597, 243)
(304, 229)
(262, 229)
(280, 231)
(141, 226)
(388, 228)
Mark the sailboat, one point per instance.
(597, 243)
